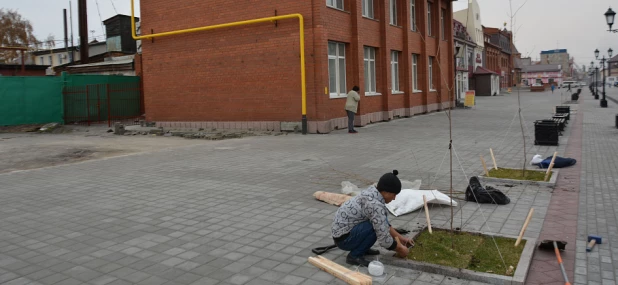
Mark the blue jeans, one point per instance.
(361, 238)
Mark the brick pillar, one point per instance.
(423, 56)
(356, 59)
(383, 59)
(406, 58)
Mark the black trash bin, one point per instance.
(564, 110)
(546, 132)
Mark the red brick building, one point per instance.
(249, 76)
(503, 39)
(29, 70)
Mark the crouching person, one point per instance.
(362, 220)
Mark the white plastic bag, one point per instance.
(416, 185)
(411, 200)
(536, 159)
(349, 188)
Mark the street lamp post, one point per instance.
(593, 84)
(610, 15)
(603, 60)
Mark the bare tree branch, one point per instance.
(15, 31)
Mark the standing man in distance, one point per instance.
(351, 107)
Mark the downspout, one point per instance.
(243, 23)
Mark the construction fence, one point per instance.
(69, 99)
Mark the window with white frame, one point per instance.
(368, 8)
(393, 12)
(429, 7)
(336, 69)
(413, 15)
(370, 70)
(337, 4)
(443, 23)
(42, 60)
(431, 86)
(415, 72)
(51, 60)
(395, 71)
(59, 59)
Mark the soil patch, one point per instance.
(471, 251)
(515, 174)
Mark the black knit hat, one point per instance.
(390, 183)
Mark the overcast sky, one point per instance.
(576, 25)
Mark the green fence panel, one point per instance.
(39, 99)
(30, 100)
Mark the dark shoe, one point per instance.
(372, 252)
(357, 261)
(352, 132)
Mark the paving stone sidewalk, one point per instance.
(242, 211)
(598, 213)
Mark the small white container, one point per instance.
(376, 268)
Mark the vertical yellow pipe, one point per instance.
(239, 23)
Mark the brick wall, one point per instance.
(15, 70)
(252, 73)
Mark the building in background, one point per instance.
(116, 56)
(400, 53)
(489, 83)
(560, 57)
(29, 70)
(546, 74)
(502, 39)
(471, 19)
(465, 59)
(62, 56)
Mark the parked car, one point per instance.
(565, 84)
(616, 84)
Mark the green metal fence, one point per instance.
(41, 99)
(30, 100)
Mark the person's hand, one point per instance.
(401, 250)
(407, 242)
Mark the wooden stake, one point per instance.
(551, 166)
(484, 166)
(347, 275)
(493, 158)
(427, 215)
(523, 229)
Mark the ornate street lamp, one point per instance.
(596, 76)
(610, 15)
(595, 90)
(603, 60)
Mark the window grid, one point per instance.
(337, 4)
(429, 7)
(370, 70)
(413, 15)
(336, 69)
(431, 86)
(395, 71)
(367, 8)
(415, 72)
(393, 12)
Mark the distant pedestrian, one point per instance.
(351, 107)
(552, 88)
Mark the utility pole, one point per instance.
(66, 34)
(71, 19)
(83, 31)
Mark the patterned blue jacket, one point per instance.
(368, 206)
